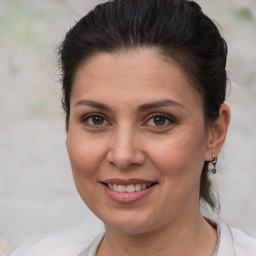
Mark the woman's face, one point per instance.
(136, 126)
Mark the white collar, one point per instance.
(226, 246)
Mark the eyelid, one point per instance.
(84, 119)
(169, 118)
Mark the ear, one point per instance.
(217, 132)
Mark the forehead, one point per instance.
(132, 74)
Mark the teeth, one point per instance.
(138, 187)
(121, 188)
(115, 187)
(128, 189)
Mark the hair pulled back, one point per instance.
(176, 28)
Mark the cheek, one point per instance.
(85, 157)
(179, 163)
(178, 156)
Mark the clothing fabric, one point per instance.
(233, 242)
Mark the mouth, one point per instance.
(130, 188)
(126, 191)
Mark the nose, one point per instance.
(125, 149)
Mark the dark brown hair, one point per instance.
(177, 28)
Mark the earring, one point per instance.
(214, 162)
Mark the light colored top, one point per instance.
(233, 242)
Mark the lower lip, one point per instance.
(127, 197)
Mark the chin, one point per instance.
(130, 224)
(127, 228)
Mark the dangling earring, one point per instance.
(214, 162)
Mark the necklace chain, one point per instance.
(218, 241)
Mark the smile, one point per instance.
(128, 191)
(129, 188)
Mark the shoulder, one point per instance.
(244, 245)
(235, 242)
(67, 243)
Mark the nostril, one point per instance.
(125, 155)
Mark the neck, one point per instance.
(180, 238)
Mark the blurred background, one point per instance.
(37, 193)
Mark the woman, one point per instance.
(144, 85)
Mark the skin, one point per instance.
(128, 142)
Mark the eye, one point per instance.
(94, 120)
(160, 120)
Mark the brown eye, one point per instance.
(95, 120)
(159, 120)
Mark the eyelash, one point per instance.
(85, 119)
(167, 118)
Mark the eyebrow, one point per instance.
(158, 104)
(93, 104)
(141, 108)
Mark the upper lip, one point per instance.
(126, 182)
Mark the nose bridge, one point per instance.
(125, 149)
